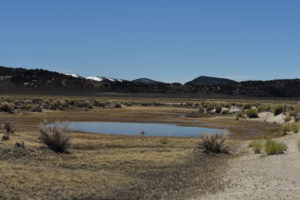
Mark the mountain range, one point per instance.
(39, 81)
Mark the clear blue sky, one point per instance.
(159, 39)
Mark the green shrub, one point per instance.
(263, 108)
(290, 127)
(247, 106)
(252, 113)
(272, 147)
(204, 104)
(227, 105)
(29, 106)
(277, 110)
(209, 108)
(218, 109)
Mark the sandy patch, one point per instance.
(234, 109)
(269, 117)
(252, 177)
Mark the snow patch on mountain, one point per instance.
(94, 78)
(101, 78)
(73, 75)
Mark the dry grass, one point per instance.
(290, 127)
(272, 147)
(107, 167)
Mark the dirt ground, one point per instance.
(255, 177)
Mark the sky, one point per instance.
(170, 41)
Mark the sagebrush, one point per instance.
(213, 144)
(55, 137)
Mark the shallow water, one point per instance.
(149, 129)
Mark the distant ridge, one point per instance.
(206, 80)
(40, 81)
(146, 81)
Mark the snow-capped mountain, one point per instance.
(97, 78)
(103, 79)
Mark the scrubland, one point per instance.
(99, 166)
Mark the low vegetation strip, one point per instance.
(269, 146)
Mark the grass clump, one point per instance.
(257, 146)
(164, 140)
(213, 144)
(272, 147)
(290, 127)
(252, 113)
(55, 138)
(247, 106)
(263, 108)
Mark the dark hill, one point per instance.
(146, 81)
(206, 80)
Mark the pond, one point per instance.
(148, 129)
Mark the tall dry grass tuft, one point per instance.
(257, 146)
(213, 144)
(272, 147)
(55, 137)
(290, 127)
